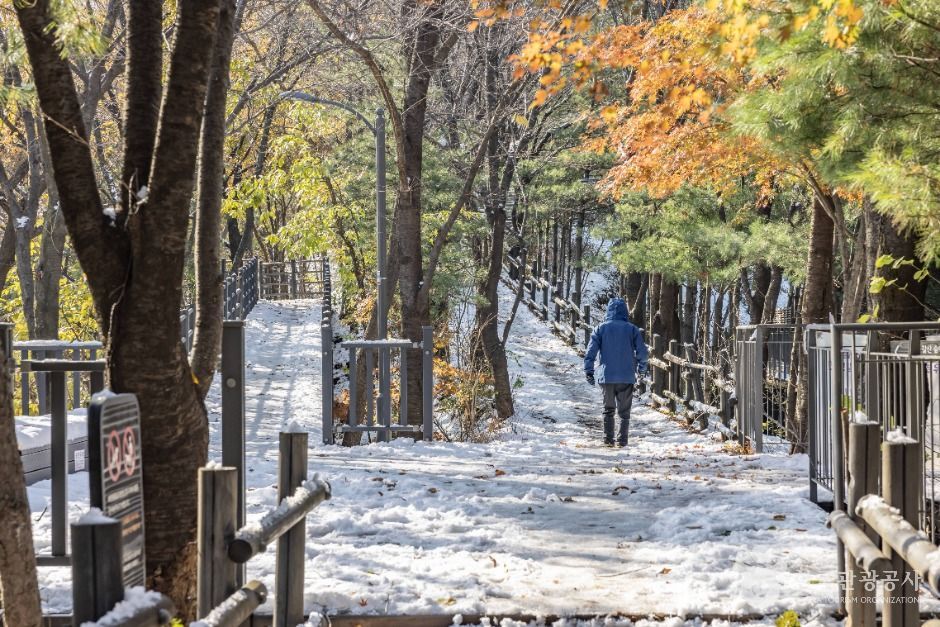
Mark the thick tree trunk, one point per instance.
(49, 274)
(207, 339)
(769, 308)
(817, 297)
(668, 311)
(135, 268)
(856, 276)
(19, 589)
(7, 254)
(578, 260)
(902, 302)
(638, 305)
(49, 269)
(687, 325)
(415, 301)
(487, 317)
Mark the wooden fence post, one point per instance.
(864, 442)
(289, 581)
(673, 376)
(545, 291)
(97, 577)
(902, 468)
(559, 295)
(659, 377)
(217, 575)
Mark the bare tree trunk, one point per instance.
(769, 308)
(856, 278)
(19, 588)
(49, 274)
(207, 339)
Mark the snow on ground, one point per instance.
(542, 521)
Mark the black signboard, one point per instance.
(115, 473)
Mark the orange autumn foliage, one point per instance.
(670, 131)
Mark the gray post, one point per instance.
(240, 294)
(24, 376)
(293, 279)
(902, 483)
(76, 380)
(835, 426)
(326, 367)
(217, 575)
(351, 418)
(811, 404)
(559, 295)
(60, 462)
(289, 582)
(724, 398)
(383, 404)
(233, 410)
(97, 578)
(427, 363)
(756, 410)
(380, 220)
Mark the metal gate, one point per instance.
(888, 373)
(762, 372)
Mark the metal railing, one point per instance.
(888, 373)
(378, 413)
(761, 374)
(240, 290)
(326, 355)
(299, 278)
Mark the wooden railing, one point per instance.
(697, 391)
(567, 317)
(222, 600)
(98, 595)
(880, 538)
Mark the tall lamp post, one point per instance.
(381, 210)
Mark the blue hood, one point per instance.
(617, 310)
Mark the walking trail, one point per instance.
(543, 520)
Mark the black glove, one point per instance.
(589, 376)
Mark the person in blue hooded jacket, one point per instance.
(623, 355)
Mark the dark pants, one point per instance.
(617, 396)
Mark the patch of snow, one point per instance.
(94, 516)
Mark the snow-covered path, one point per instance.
(542, 521)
